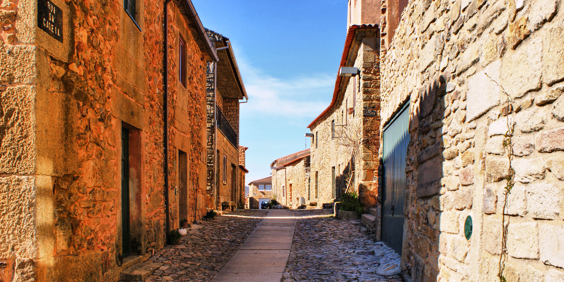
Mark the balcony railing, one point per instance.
(226, 127)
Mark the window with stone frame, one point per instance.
(268, 187)
(261, 187)
(182, 62)
(316, 139)
(317, 184)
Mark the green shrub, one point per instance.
(350, 202)
(173, 237)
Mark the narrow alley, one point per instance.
(274, 245)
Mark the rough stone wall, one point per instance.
(358, 115)
(187, 112)
(255, 195)
(226, 149)
(18, 153)
(458, 63)
(231, 112)
(279, 188)
(101, 77)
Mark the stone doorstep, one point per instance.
(368, 220)
(139, 271)
(373, 211)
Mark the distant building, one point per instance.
(291, 180)
(260, 191)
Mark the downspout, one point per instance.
(217, 158)
(165, 98)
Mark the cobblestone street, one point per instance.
(323, 249)
(327, 249)
(206, 248)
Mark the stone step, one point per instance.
(139, 271)
(368, 219)
(374, 211)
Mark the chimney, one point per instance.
(242, 155)
(364, 12)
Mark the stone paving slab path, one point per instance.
(264, 255)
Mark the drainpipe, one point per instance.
(165, 98)
(217, 157)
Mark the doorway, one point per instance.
(396, 141)
(131, 203)
(182, 186)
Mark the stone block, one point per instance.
(19, 64)
(558, 110)
(494, 145)
(518, 30)
(521, 70)
(492, 231)
(484, 92)
(544, 199)
(460, 248)
(528, 170)
(450, 153)
(516, 200)
(467, 158)
(523, 240)
(449, 222)
(463, 199)
(429, 175)
(466, 176)
(497, 168)
(555, 163)
(500, 126)
(554, 275)
(17, 205)
(550, 141)
(549, 96)
(522, 145)
(541, 12)
(553, 57)
(551, 241)
(17, 130)
(490, 201)
(530, 121)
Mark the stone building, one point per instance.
(291, 182)
(241, 192)
(95, 103)
(260, 191)
(345, 142)
(224, 90)
(472, 105)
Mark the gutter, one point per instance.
(201, 30)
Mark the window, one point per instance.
(182, 61)
(316, 184)
(333, 129)
(268, 187)
(316, 139)
(309, 188)
(261, 187)
(130, 7)
(224, 169)
(283, 191)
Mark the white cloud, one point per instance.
(295, 97)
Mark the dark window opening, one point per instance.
(224, 169)
(130, 7)
(182, 68)
(316, 184)
(333, 129)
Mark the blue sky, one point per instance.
(288, 53)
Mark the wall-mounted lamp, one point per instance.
(348, 71)
(309, 135)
